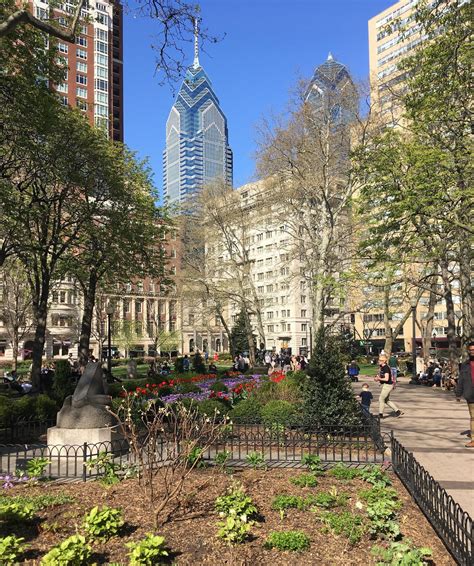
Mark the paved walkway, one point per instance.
(431, 428)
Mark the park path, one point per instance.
(432, 428)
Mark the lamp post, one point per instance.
(110, 311)
(434, 335)
(413, 303)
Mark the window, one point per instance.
(62, 88)
(172, 252)
(304, 341)
(304, 327)
(82, 92)
(81, 104)
(101, 47)
(81, 67)
(303, 299)
(101, 85)
(260, 289)
(63, 47)
(101, 72)
(62, 297)
(81, 79)
(269, 288)
(269, 315)
(270, 328)
(259, 237)
(101, 98)
(81, 54)
(260, 276)
(81, 41)
(268, 234)
(101, 7)
(138, 307)
(191, 319)
(62, 22)
(102, 19)
(101, 34)
(64, 100)
(303, 313)
(102, 60)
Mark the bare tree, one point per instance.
(15, 305)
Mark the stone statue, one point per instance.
(87, 407)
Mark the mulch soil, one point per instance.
(191, 532)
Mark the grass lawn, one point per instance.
(369, 369)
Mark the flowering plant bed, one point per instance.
(288, 519)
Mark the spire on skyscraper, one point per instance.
(330, 57)
(196, 44)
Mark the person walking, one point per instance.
(393, 364)
(465, 387)
(386, 380)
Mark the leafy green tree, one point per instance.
(328, 396)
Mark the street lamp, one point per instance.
(413, 303)
(110, 311)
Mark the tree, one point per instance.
(15, 305)
(328, 396)
(126, 333)
(305, 159)
(241, 335)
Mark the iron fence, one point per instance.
(453, 525)
(24, 430)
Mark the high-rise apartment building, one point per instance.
(197, 148)
(94, 79)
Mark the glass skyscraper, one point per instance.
(197, 148)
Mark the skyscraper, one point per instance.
(197, 148)
(94, 79)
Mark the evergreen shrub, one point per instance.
(248, 411)
(62, 381)
(279, 412)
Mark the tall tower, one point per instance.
(197, 148)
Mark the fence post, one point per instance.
(84, 460)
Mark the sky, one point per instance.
(268, 46)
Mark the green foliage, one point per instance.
(298, 377)
(346, 524)
(11, 548)
(219, 386)
(149, 551)
(38, 502)
(213, 408)
(36, 467)
(378, 492)
(46, 408)
(236, 499)
(194, 458)
(343, 472)
(106, 467)
(198, 364)
(62, 382)
(283, 501)
(188, 387)
(328, 398)
(247, 411)
(402, 554)
(234, 529)
(239, 335)
(279, 412)
(305, 480)
(313, 463)
(295, 541)
(102, 524)
(74, 551)
(329, 499)
(382, 515)
(16, 512)
(256, 460)
(376, 476)
(221, 458)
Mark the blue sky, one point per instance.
(268, 45)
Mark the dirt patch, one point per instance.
(191, 532)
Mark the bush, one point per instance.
(342, 472)
(235, 529)
(74, 551)
(295, 541)
(178, 365)
(46, 408)
(299, 377)
(236, 499)
(346, 524)
(279, 412)
(11, 548)
(266, 392)
(23, 408)
(402, 554)
(305, 480)
(247, 411)
(62, 382)
(16, 512)
(149, 551)
(188, 387)
(282, 502)
(313, 463)
(329, 499)
(210, 407)
(198, 364)
(102, 524)
(219, 386)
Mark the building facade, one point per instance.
(94, 77)
(197, 147)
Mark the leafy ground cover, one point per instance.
(331, 526)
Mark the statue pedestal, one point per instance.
(59, 437)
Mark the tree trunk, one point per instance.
(389, 338)
(15, 348)
(41, 316)
(227, 331)
(467, 300)
(248, 328)
(89, 292)
(427, 328)
(448, 298)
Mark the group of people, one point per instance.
(284, 362)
